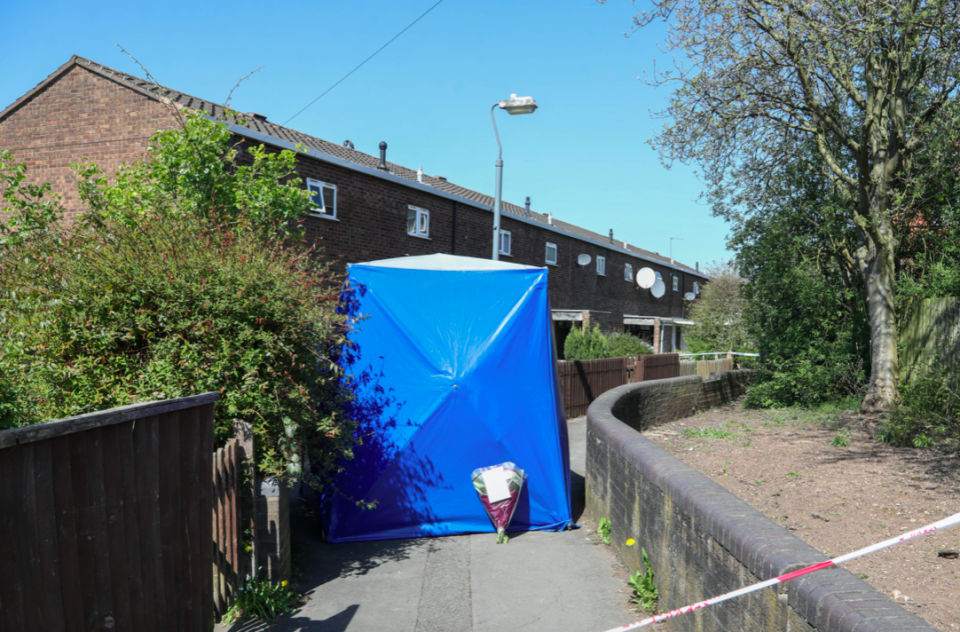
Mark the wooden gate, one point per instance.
(582, 381)
(227, 529)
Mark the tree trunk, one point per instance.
(879, 275)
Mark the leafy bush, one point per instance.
(586, 344)
(170, 307)
(182, 278)
(622, 344)
(592, 344)
(929, 411)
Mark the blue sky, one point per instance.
(582, 156)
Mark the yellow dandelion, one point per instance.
(631, 542)
(284, 583)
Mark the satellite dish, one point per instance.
(583, 260)
(658, 289)
(689, 296)
(646, 277)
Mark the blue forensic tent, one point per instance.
(454, 369)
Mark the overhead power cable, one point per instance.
(363, 62)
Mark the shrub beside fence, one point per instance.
(105, 520)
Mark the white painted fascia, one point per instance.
(260, 137)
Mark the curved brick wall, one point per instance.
(704, 541)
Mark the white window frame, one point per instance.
(420, 214)
(601, 266)
(556, 253)
(676, 283)
(696, 289)
(506, 236)
(628, 272)
(317, 211)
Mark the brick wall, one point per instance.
(702, 540)
(83, 115)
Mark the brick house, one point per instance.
(367, 207)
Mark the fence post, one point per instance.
(273, 529)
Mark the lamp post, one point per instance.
(513, 105)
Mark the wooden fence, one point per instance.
(105, 520)
(930, 331)
(582, 381)
(227, 528)
(657, 366)
(704, 368)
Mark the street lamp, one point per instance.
(513, 105)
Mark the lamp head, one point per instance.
(518, 105)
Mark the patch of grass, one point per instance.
(603, 529)
(708, 433)
(863, 576)
(645, 593)
(761, 481)
(259, 599)
(842, 440)
(794, 475)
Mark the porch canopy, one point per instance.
(453, 369)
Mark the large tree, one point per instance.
(871, 84)
(718, 313)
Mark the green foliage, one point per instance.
(603, 528)
(181, 279)
(804, 307)
(841, 440)
(586, 344)
(194, 171)
(929, 411)
(624, 344)
(259, 599)
(718, 314)
(708, 433)
(645, 592)
(592, 344)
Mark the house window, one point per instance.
(602, 266)
(418, 222)
(628, 272)
(505, 239)
(324, 198)
(676, 284)
(551, 255)
(696, 288)
(659, 276)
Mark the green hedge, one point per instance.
(592, 344)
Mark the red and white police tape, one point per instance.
(930, 528)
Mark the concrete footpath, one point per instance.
(537, 582)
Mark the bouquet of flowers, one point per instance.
(499, 488)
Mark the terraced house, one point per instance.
(366, 206)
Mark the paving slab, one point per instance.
(538, 582)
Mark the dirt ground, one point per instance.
(836, 498)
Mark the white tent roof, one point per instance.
(446, 262)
